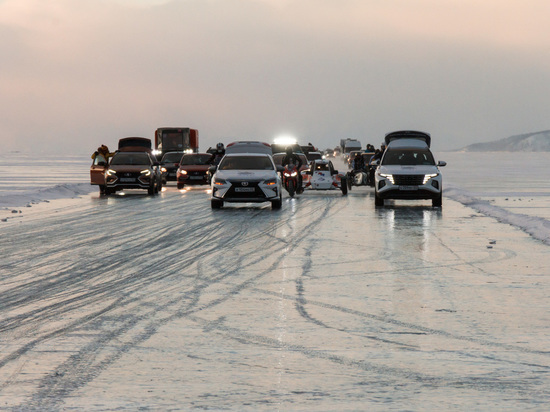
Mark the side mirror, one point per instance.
(441, 163)
(212, 169)
(102, 163)
(280, 168)
(335, 172)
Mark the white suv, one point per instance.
(246, 177)
(408, 170)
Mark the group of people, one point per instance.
(358, 162)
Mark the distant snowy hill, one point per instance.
(530, 142)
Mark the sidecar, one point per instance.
(323, 176)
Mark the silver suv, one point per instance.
(408, 170)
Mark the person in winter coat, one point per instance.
(102, 154)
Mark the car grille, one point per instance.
(244, 190)
(408, 180)
(128, 174)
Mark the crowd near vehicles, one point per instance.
(133, 166)
(323, 176)
(252, 171)
(246, 177)
(408, 170)
(193, 169)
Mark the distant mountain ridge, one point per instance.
(530, 142)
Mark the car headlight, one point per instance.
(182, 172)
(271, 182)
(163, 170)
(428, 177)
(110, 172)
(146, 172)
(219, 182)
(388, 176)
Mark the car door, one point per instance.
(97, 170)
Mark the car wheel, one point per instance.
(101, 189)
(180, 186)
(216, 204)
(438, 201)
(378, 201)
(276, 204)
(151, 190)
(108, 191)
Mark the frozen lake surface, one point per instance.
(139, 302)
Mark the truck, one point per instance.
(176, 139)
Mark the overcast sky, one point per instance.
(78, 73)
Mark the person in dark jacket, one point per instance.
(291, 158)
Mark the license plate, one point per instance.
(408, 188)
(127, 179)
(172, 174)
(244, 189)
(196, 177)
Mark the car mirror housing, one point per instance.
(441, 163)
(212, 169)
(280, 168)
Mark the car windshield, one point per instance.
(171, 157)
(246, 163)
(130, 159)
(408, 157)
(196, 159)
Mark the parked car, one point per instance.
(311, 156)
(246, 177)
(193, 169)
(408, 170)
(170, 162)
(133, 170)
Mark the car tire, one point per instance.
(378, 201)
(216, 204)
(438, 201)
(102, 189)
(180, 186)
(108, 191)
(276, 204)
(151, 190)
(349, 181)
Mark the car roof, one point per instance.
(248, 146)
(408, 134)
(247, 154)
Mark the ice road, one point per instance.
(138, 302)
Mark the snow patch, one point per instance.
(61, 191)
(537, 227)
